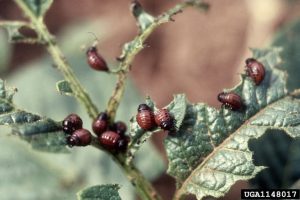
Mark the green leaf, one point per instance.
(289, 39)
(177, 108)
(107, 192)
(210, 151)
(144, 19)
(64, 87)
(42, 133)
(38, 7)
(13, 29)
(138, 135)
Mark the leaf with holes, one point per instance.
(138, 136)
(42, 133)
(210, 151)
(108, 191)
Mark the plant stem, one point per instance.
(142, 185)
(60, 60)
(137, 44)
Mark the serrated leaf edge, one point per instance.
(181, 191)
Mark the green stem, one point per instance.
(138, 42)
(142, 185)
(60, 60)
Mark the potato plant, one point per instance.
(207, 148)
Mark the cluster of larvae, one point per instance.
(111, 137)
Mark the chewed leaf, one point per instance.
(177, 108)
(64, 87)
(38, 7)
(13, 29)
(210, 151)
(42, 133)
(109, 192)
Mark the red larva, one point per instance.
(164, 119)
(71, 123)
(230, 100)
(113, 141)
(81, 137)
(120, 128)
(100, 124)
(95, 60)
(123, 143)
(145, 117)
(255, 70)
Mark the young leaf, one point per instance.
(108, 191)
(210, 151)
(144, 20)
(14, 34)
(43, 134)
(64, 87)
(38, 7)
(177, 109)
(138, 136)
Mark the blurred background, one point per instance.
(199, 54)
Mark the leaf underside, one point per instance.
(107, 192)
(42, 133)
(210, 151)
